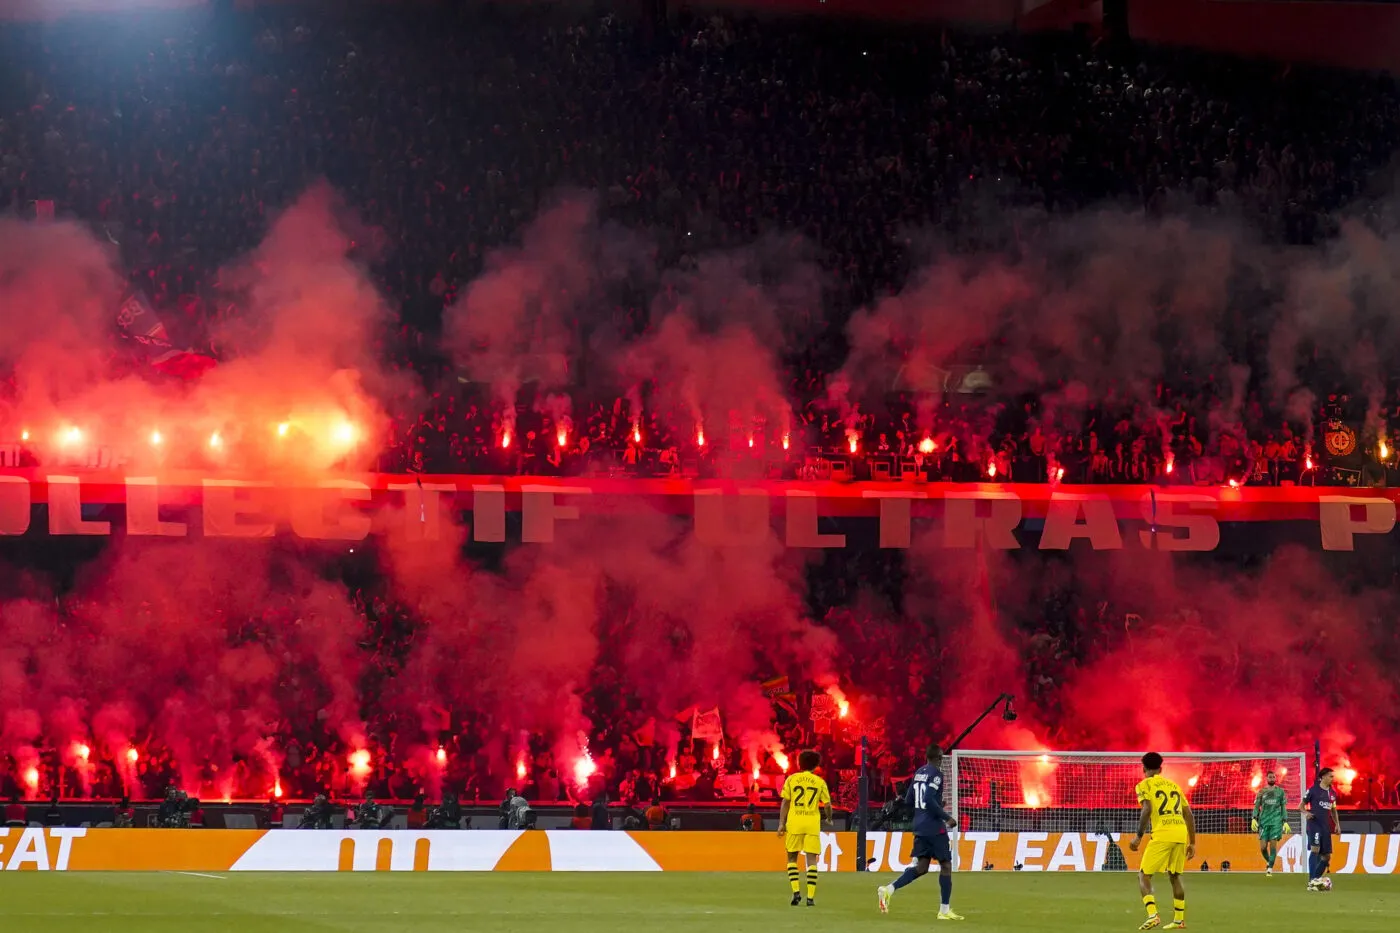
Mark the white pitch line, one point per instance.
(198, 874)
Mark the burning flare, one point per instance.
(360, 762)
(927, 446)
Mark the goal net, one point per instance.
(1001, 796)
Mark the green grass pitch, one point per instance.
(669, 903)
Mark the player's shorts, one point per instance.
(1161, 857)
(1320, 838)
(934, 848)
(1269, 831)
(810, 843)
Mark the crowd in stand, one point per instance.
(179, 137)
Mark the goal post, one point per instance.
(1046, 795)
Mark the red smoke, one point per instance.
(208, 650)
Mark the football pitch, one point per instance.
(669, 903)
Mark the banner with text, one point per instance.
(82, 849)
(798, 514)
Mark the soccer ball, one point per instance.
(1324, 883)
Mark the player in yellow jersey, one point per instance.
(1167, 814)
(806, 801)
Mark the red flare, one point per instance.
(360, 762)
(852, 442)
(520, 769)
(562, 437)
(441, 755)
(927, 446)
(277, 789)
(82, 751)
(786, 442)
(584, 769)
(505, 439)
(636, 434)
(781, 758)
(132, 755)
(992, 470)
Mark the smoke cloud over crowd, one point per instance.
(208, 648)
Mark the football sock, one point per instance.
(1150, 903)
(811, 882)
(945, 890)
(1313, 861)
(1179, 909)
(911, 874)
(793, 877)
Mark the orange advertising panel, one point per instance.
(82, 849)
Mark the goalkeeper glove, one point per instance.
(1254, 826)
(1286, 830)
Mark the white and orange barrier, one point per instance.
(575, 850)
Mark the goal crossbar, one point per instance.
(1135, 756)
